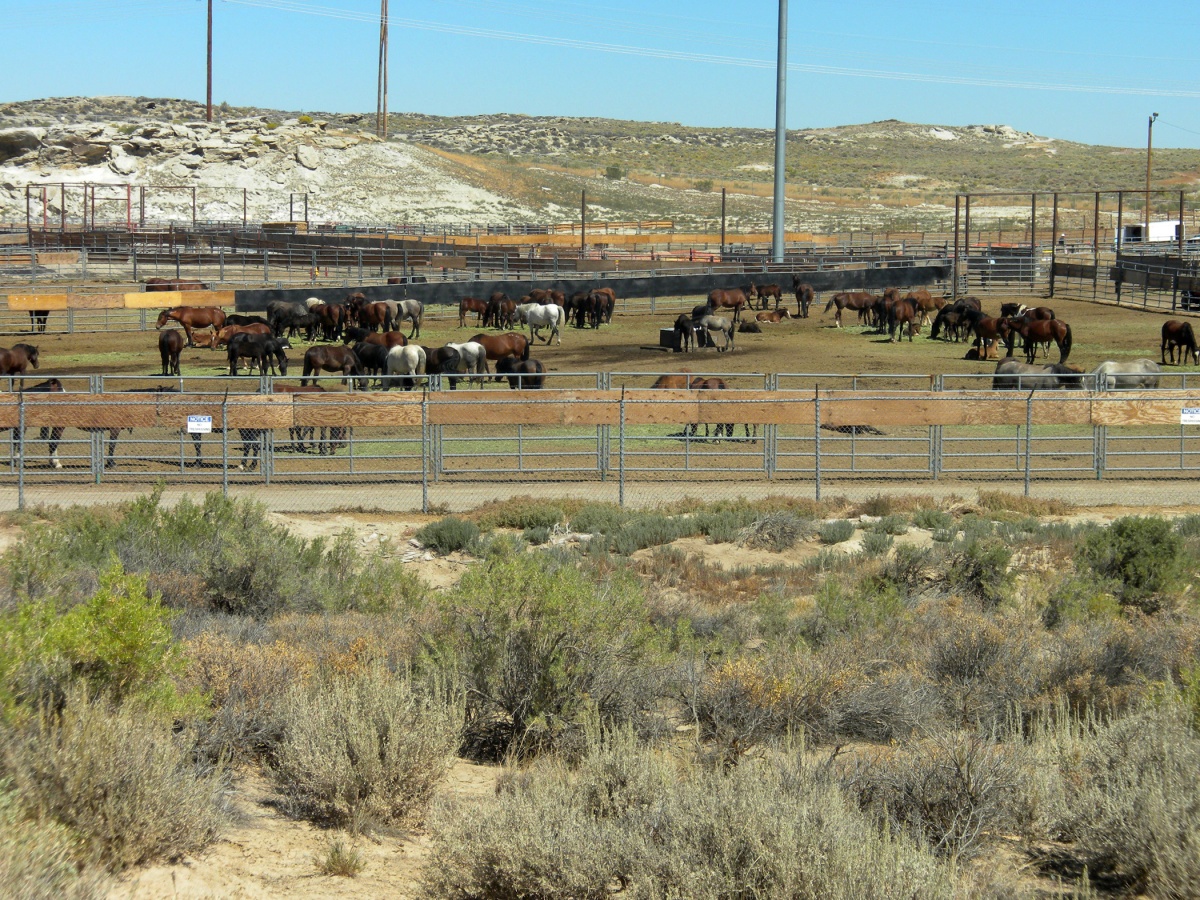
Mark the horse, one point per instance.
(1015, 310)
(926, 303)
(776, 315)
(54, 435)
(727, 299)
(263, 349)
(1014, 375)
(765, 292)
(170, 345)
(538, 316)
(373, 357)
(472, 359)
(174, 284)
(333, 359)
(804, 296)
(471, 305)
(1179, 335)
(224, 335)
(413, 310)
(684, 334)
(528, 373)
(499, 346)
(855, 300)
(500, 311)
(721, 326)
(236, 319)
(609, 305)
(684, 381)
(1042, 331)
(377, 315)
(38, 319)
(331, 318)
(1111, 375)
(18, 359)
(387, 339)
(442, 361)
(190, 317)
(903, 312)
(406, 361)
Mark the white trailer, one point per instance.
(1159, 232)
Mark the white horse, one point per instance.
(413, 310)
(1116, 376)
(472, 359)
(313, 301)
(408, 360)
(719, 325)
(537, 315)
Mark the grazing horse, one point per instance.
(54, 435)
(331, 318)
(413, 310)
(1042, 331)
(387, 339)
(472, 360)
(224, 335)
(377, 315)
(903, 312)
(609, 304)
(373, 358)
(529, 373)
(727, 299)
(38, 319)
(235, 319)
(407, 361)
(926, 303)
(170, 345)
(804, 296)
(333, 359)
(684, 335)
(776, 315)
(721, 326)
(18, 359)
(190, 317)
(1179, 335)
(1116, 376)
(1014, 375)
(174, 284)
(499, 346)
(442, 361)
(471, 305)
(538, 316)
(855, 300)
(989, 332)
(263, 350)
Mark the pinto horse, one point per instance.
(1035, 332)
(1179, 335)
(804, 296)
(728, 299)
(855, 300)
(190, 317)
(499, 346)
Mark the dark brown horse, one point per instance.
(903, 312)
(728, 299)
(332, 319)
(174, 284)
(528, 374)
(38, 319)
(170, 345)
(855, 300)
(926, 303)
(469, 305)
(388, 339)
(1035, 332)
(333, 359)
(499, 346)
(1179, 335)
(18, 359)
(804, 296)
(190, 317)
(609, 304)
(376, 315)
(222, 336)
(52, 434)
(763, 293)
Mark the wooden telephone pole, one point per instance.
(381, 94)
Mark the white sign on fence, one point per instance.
(1189, 415)
(203, 424)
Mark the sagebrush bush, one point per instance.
(1142, 556)
(39, 860)
(876, 543)
(932, 519)
(598, 518)
(777, 531)
(978, 568)
(520, 512)
(836, 532)
(126, 786)
(632, 819)
(340, 859)
(448, 534)
(363, 750)
(890, 524)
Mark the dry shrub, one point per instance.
(38, 859)
(364, 750)
(886, 706)
(632, 821)
(119, 780)
(1130, 800)
(896, 504)
(1001, 501)
(341, 859)
(777, 531)
(957, 792)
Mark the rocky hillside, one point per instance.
(510, 168)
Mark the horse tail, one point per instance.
(828, 306)
(525, 352)
(1064, 349)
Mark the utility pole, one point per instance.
(208, 107)
(381, 93)
(777, 226)
(1149, 144)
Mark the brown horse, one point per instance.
(775, 315)
(989, 332)
(804, 297)
(855, 300)
(1035, 332)
(526, 374)
(18, 359)
(376, 315)
(728, 299)
(333, 359)
(388, 339)
(38, 319)
(763, 293)
(471, 305)
(1177, 334)
(610, 302)
(926, 303)
(903, 312)
(174, 284)
(170, 345)
(193, 317)
(222, 336)
(499, 346)
(332, 319)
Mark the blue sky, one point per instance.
(1089, 72)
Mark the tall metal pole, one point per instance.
(381, 97)
(722, 224)
(582, 223)
(777, 226)
(208, 108)
(1149, 144)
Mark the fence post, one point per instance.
(225, 447)
(426, 450)
(20, 450)
(133, 259)
(817, 442)
(621, 454)
(266, 267)
(1028, 438)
